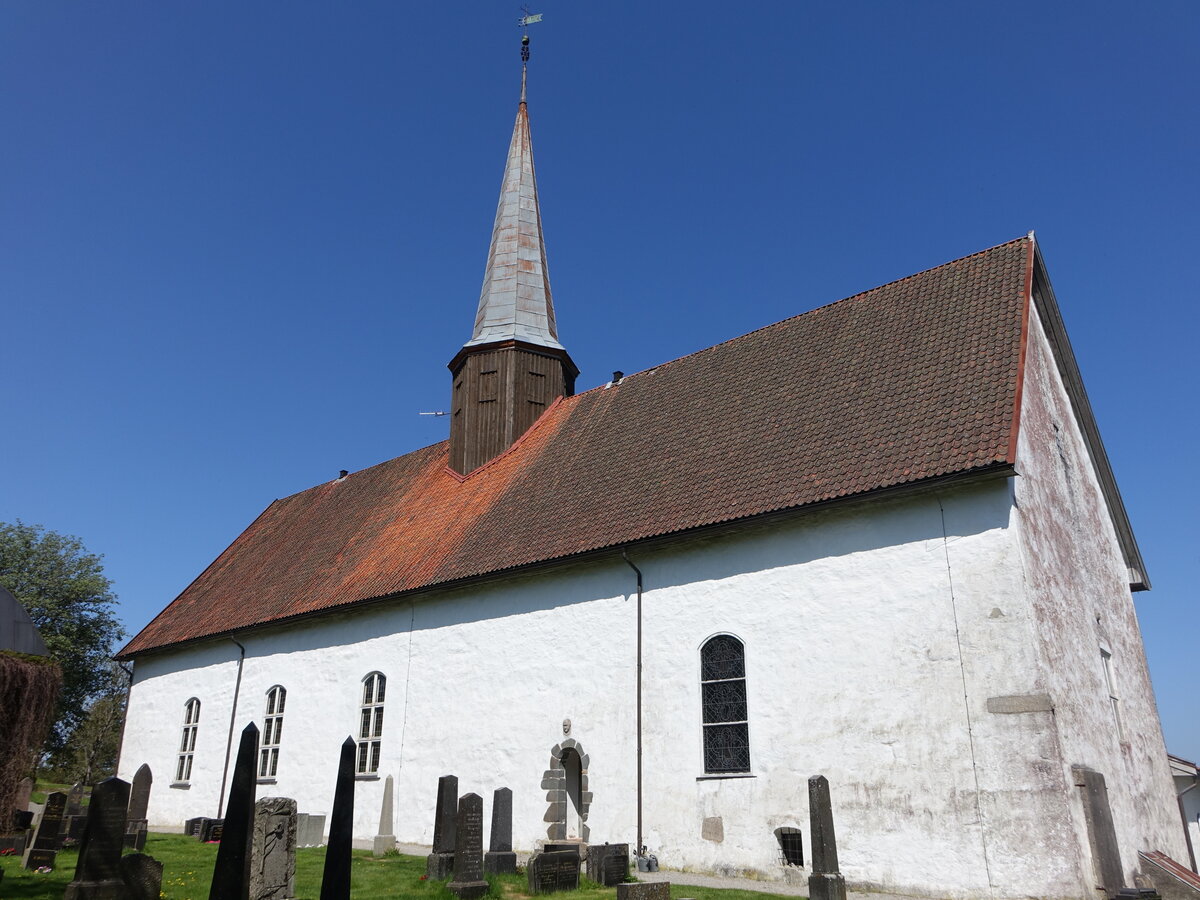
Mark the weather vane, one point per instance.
(524, 22)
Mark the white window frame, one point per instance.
(268, 753)
(1113, 699)
(187, 741)
(706, 727)
(370, 724)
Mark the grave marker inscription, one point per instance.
(468, 883)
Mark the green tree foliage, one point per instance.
(63, 588)
(90, 753)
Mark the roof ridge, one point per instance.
(815, 309)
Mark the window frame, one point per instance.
(268, 748)
(187, 741)
(370, 725)
(1110, 685)
(707, 727)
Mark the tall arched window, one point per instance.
(370, 728)
(187, 743)
(723, 695)
(268, 754)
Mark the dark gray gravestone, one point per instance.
(142, 875)
(385, 839)
(98, 874)
(440, 863)
(500, 857)
(46, 840)
(72, 828)
(231, 874)
(75, 800)
(139, 793)
(335, 880)
(644, 890)
(555, 871)
(608, 864)
(825, 882)
(273, 849)
(468, 883)
(211, 830)
(135, 834)
(23, 820)
(193, 827)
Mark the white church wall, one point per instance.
(863, 626)
(1079, 588)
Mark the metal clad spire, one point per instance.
(515, 302)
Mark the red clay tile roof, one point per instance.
(909, 381)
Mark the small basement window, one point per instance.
(791, 847)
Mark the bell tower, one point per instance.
(513, 367)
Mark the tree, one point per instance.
(90, 753)
(63, 588)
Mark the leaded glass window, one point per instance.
(723, 697)
(268, 754)
(370, 724)
(187, 742)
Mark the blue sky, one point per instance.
(239, 242)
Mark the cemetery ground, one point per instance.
(188, 865)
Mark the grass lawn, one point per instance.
(188, 864)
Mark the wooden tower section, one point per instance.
(513, 367)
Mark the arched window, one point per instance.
(187, 743)
(268, 754)
(370, 728)
(723, 696)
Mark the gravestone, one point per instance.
(500, 857)
(192, 827)
(135, 834)
(139, 793)
(142, 875)
(440, 863)
(468, 883)
(23, 820)
(24, 792)
(46, 840)
(556, 870)
(231, 874)
(75, 800)
(608, 864)
(211, 830)
(72, 828)
(310, 830)
(825, 882)
(385, 840)
(644, 890)
(273, 849)
(98, 873)
(335, 880)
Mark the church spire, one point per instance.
(515, 302)
(513, 367)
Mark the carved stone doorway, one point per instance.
(567, 794)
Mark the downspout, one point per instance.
(640, 849)
(237, 687)
(1187, 831)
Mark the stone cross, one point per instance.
(385, 840)
(142, 875)
(335, 880)
(273, 849)
(139, 794)
(468, 883)
(825, 882)
(98, 873)
(440, 863)
(231, 874)
(46, 841)
(500, 857)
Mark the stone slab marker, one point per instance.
(440, 863)
(139, 793)
(142, 875)
(24, 792)
(385, 840)
(608, 864)
(468, 883)
(500, 858)
(335, 880)
(46, 840)
(825, 882)
(552, 871)
(273, 849)
(75, 800)
(310, 830)
(644, 890)
(98, 874)
(231, 875)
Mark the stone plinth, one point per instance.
(644, 890)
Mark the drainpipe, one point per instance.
(639, 699)
(237, 687)
(1187, 831)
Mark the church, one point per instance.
(878, 541)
